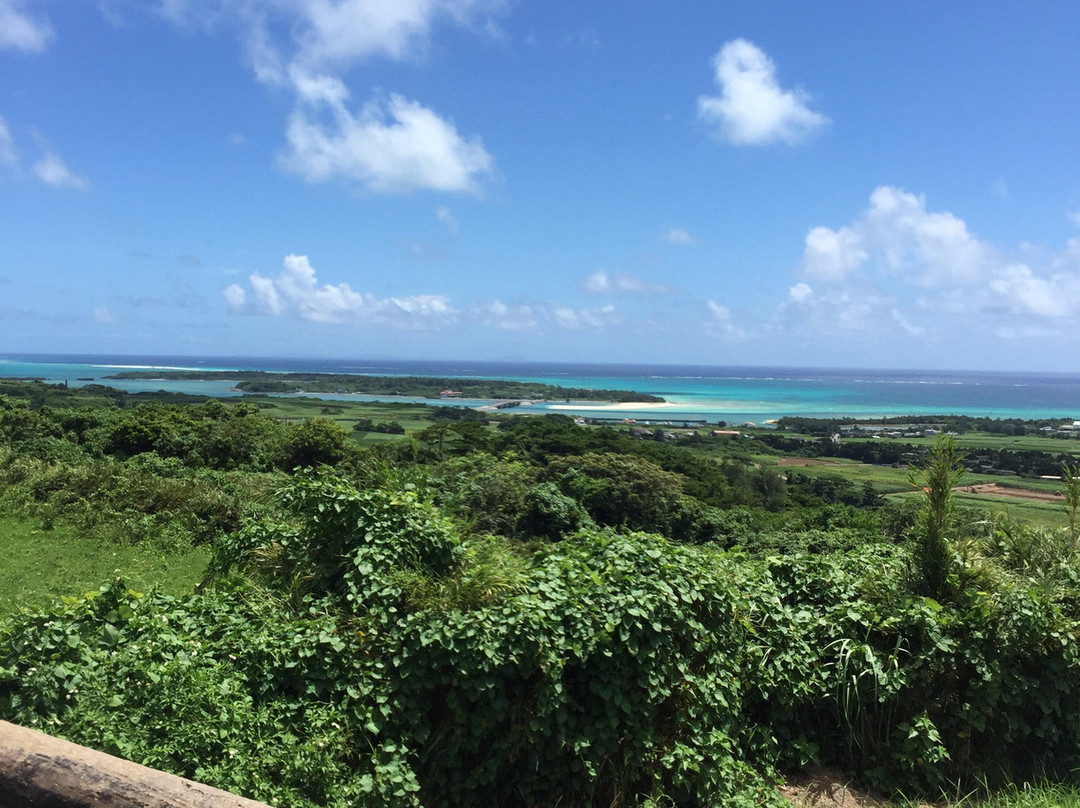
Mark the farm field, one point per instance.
(895, 482)
(972, 441)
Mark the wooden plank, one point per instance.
(39, 771)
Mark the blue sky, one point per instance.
(818, 184)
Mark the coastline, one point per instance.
(732, 394)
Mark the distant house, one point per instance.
(730, 433)
(451, 394)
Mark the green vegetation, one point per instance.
(257, 381)
(519, 611)
(42, 565)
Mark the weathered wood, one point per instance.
(39, 771)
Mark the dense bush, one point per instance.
(409, 665)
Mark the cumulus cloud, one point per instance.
(305, 47)
(1017, 289)
(939, 275)
(831, 254)
(752, 108)
(51, 170)
(800, 293)
(394, 147)
(20, 30)
(296, 292)
(680, 235)
(603, 282)
(899, 236)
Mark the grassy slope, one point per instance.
(42, 565)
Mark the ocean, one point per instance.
(732, 394)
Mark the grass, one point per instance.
(1040, 795)
(43, 565)
(1049, 514)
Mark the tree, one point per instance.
(316, 441)
(618, 489)
(1071, 476)
(940, 471)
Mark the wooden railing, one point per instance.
(44, 772)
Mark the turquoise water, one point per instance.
(733, 394)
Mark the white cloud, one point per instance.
(898, 236)
(939, 275)
(1017, 289)
(680, 235)
(846, 309)
(1074, 215)
(831, 254)
(586, 319)
(799, 293)
(297, 292)
(907, 327)
(235, 297)
(508, 318)
(443, 214)
(752, 109)
(603, 282)
(307, 46)
(50, 169)
(341, 32)
(720, 323)
(9, 155)
(21, 31)
(395, 147)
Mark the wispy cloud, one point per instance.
(521, 317)
(603, 282)
(9, 155)
(720, 322)
(20, 30)
(680, 235)
(443, 214)
(103, 315)
(52, 171)
(752, 108)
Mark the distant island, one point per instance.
(261, 381)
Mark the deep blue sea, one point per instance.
(733, 394)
